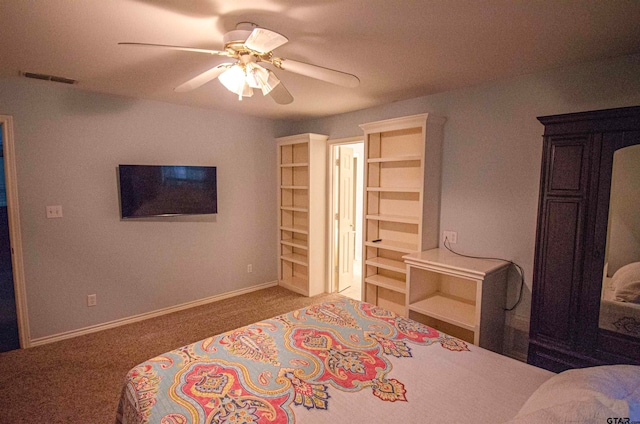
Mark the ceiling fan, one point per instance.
(250, 45)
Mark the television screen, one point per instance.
(165, 190)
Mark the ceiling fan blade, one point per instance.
(180, 48)
(203, 78)
(281, 95)
(264, 40)
(318, 72)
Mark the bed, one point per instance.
(341, 361)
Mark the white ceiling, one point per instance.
(398, 49)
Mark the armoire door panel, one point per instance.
(568, 166)
(560, 269)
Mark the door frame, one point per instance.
(332, 282)
(15, 235)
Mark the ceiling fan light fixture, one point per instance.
(249, 44)
(234, 80)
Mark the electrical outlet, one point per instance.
(450, 236)
(92, 300)
(249, 268)
(54, 211)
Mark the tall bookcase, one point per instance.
(301, 213)
(402, 202)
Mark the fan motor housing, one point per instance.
(239, 35)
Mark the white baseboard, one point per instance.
(141, 317)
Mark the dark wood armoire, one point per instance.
(571, 240)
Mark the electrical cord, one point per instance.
(518, 267)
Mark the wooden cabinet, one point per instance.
(571, 240)
(463, 297)
(402, 202)
(301, 213)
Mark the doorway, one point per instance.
(14, 323)
(9, 339)
(346, 176)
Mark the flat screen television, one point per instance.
(167, 190)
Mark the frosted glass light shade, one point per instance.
(259, 77)
(234, 80)
(269, 83)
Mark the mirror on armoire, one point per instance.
(620, 301)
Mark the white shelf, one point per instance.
(296, 284)
(293, 209)
(395, 218)
(298, 230)
(388, 264)
(448, 309)
(294, 165)
(396, 189)
(296, 259)
(442, 260)
(397, 246)
(387, 282)
(293, 244)
(395, 159)
(294, 187)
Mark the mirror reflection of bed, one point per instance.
(620, 302)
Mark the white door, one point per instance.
(346, 217)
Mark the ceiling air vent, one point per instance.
(49, 77)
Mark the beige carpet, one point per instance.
(79, 380)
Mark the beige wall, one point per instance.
(68, 145)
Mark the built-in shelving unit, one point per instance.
(402, 202)
(463, 297)
(301, 213)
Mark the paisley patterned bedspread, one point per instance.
(343, 361)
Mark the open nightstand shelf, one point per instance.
(461, 296)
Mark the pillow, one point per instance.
(585, 395)
(626, 283)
